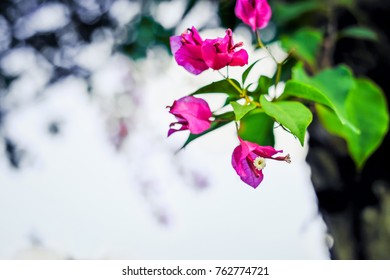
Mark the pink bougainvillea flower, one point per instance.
(220, 52)
(187, 51)
(191, 113)
(248, 160)
(255, 13)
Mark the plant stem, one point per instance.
(261, 45)
(278, 64)
(330, 39)
(240, 91)
(236, 123)
(278, 73)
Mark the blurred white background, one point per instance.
(110, 185)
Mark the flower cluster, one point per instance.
(197, 55)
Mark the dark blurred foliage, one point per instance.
(355, 205)
(84, 19)
(145, 31)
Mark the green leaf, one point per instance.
(299, 73)
(305, 91)
(247, 71)
(287, 68)
(257, 127)
(366, 108)
(305, 43)
(359, 32)
(229, 99)
(291, 114)
(287, 12)
(223, 86)
(221, 120)
(262, 87)
(330, 121)
(241, 110)
(330, 87)
(311, 93)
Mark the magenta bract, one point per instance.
(220, 52)
(187, 51)
(255, 13)
(248, 160)
(191, 113)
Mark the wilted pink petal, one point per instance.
(191, 113)
(248, 160)
(255, 13)
(186, 49)
(220, 52)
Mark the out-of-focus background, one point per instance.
(86, 169)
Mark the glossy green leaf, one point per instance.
(359, 32)
(311, 93)
(330, 87)
(221, 120)
(247, 71)
(330, 121)
(222, 86)
(291, 114)
(366, 108)
(287, 67)
(305, 43)
(241, 110)
(305, 91)
(257, 127)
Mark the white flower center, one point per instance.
(259, 163)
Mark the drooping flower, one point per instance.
(191, 113)
(255, 13)
(187, 51)
(220, 52)
(249, 160)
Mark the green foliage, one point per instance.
(143, 33)
(257, 127)
(247, 71)
(319, 89)
(359, 32)
(367, 110)
(241, 110)
(222, 86)
(304, 43)
(263, 85)
(358, 111)
(354, 109)
(285, 12)
(291, 114)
